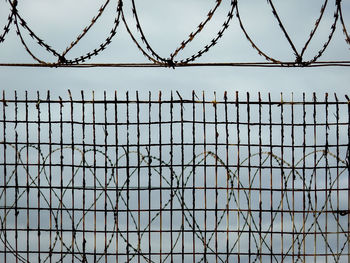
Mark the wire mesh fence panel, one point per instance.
(159, 178)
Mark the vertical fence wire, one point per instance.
(168, 179)
(348, 166)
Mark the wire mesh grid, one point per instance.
(124, 179)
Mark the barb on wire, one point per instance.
(330, 36)
(154, 57)
(19, 21)
(280, 24)
(108, 40)
(313, 31)
(200, 27)
(215, 40)
(260, 52)
(87, 28)
(7, 26)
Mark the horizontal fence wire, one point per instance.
(167, 179)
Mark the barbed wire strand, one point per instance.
(15, 18)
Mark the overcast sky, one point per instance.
(166, 24)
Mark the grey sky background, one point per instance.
(166, 24)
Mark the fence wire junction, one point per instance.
(129, 179)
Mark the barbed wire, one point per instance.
(174, 180)
(21, 26)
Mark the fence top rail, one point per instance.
(9, 98)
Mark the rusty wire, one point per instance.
(173, 179)
(62, 59)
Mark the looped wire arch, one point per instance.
(61, 57)
(298, 55)
(158, 59)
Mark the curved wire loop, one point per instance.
(20, 22)
(298, 55)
